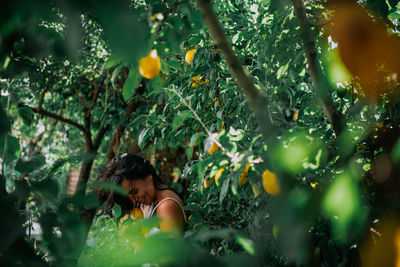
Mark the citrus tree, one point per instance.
(277, 121)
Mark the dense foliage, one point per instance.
(292, 161)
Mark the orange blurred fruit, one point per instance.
(366, 48)
(382, 248)
(150, 65)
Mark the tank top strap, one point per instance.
(169, 198)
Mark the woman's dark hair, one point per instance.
(128, 166)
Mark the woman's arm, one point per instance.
(171, 216)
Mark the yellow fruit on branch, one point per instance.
(243, 175)
(218, 175)
(207, 183)
(214, 148)
(270, 183)
(135, 213)
(150, 65)
(313, 185)
(189, 55)
(197, 81)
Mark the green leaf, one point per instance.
(26, 115)
(141, 116)
(342, 203)
(196, 218)
(30, 165)
(396, 152)
(131, 83)
(224, 190)
(278, 5)
(49, 188)
(114, 75)
(175, 65)
(247, 244)
(180, 118)
(11, 227)
(5, 124)
(155, 85)
(12, 148)
(129, 35)
(143, 136)
(111, 62)
(195, 137)
(116, 211)
(283, 69)
(189, 152)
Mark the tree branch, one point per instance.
(113, 147)
(42, 98)
(314, 68)
(79, 96)
(60, 118)
(100, 134)
(256, 99)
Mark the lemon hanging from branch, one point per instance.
(150, 65)
(270, 183)
(189, 55)
(243, 175)
(218, 175)
(214, 148)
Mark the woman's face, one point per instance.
(139, 191)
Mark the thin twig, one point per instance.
(211, 135)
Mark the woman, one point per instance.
(144, 188)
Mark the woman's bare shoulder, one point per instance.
(170, 194)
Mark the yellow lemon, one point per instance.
(207, 183)
(269, 182)
(313, 185)
(136, 213)
(296, 115)
(157, 16)
(189, 55)
(243, 175)
(150, 65)
(214, 148)
(218, 175)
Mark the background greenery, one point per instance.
(72, 98)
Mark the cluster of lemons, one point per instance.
(269, 179)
